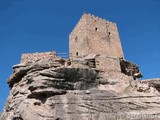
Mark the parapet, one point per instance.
(33, 57)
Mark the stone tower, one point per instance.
(93, 35)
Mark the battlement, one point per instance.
(96, 18)
(33, 57)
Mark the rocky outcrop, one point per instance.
(130, 68)
(51, 90)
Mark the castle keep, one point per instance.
(93, 35)
(96, 36)
(94, 43)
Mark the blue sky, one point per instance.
(44, 25)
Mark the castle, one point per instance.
(94, 43)
(94, 83)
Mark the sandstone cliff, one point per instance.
(52, 90)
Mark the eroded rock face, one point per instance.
(52, 91)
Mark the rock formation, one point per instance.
(43, 91)
(86, 86)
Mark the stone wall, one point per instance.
(94, 35)
(76, 39)
(32, 57)
(105, 63)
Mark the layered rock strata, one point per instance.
(56, 90)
